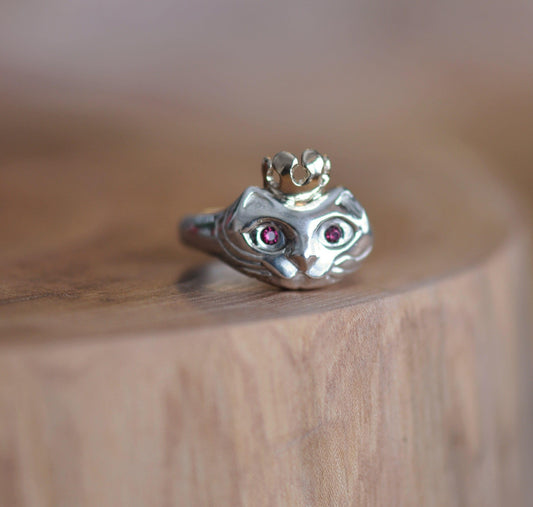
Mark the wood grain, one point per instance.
(136, 372)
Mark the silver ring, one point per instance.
(291, 233)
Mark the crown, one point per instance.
(299, 181)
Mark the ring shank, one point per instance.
(200, 231)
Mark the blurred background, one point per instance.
(462, 69)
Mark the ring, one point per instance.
(291, 233)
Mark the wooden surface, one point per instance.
(91, 205)
(136, 372)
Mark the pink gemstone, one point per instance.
(270, 235)
(333, 234)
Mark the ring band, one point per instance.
(291, 233)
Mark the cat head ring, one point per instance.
(291, 233)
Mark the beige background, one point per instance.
(455, 68)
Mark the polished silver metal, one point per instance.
(291, 233)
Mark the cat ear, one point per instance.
(253, 203)
(347, 201)
(255, 199)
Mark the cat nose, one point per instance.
(304, 263)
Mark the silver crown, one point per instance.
(293, 180)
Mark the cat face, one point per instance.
(298, 246)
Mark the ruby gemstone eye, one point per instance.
(270, 235)
(333, 234)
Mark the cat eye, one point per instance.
(336, 233)
(266, 236)
(333, 234)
